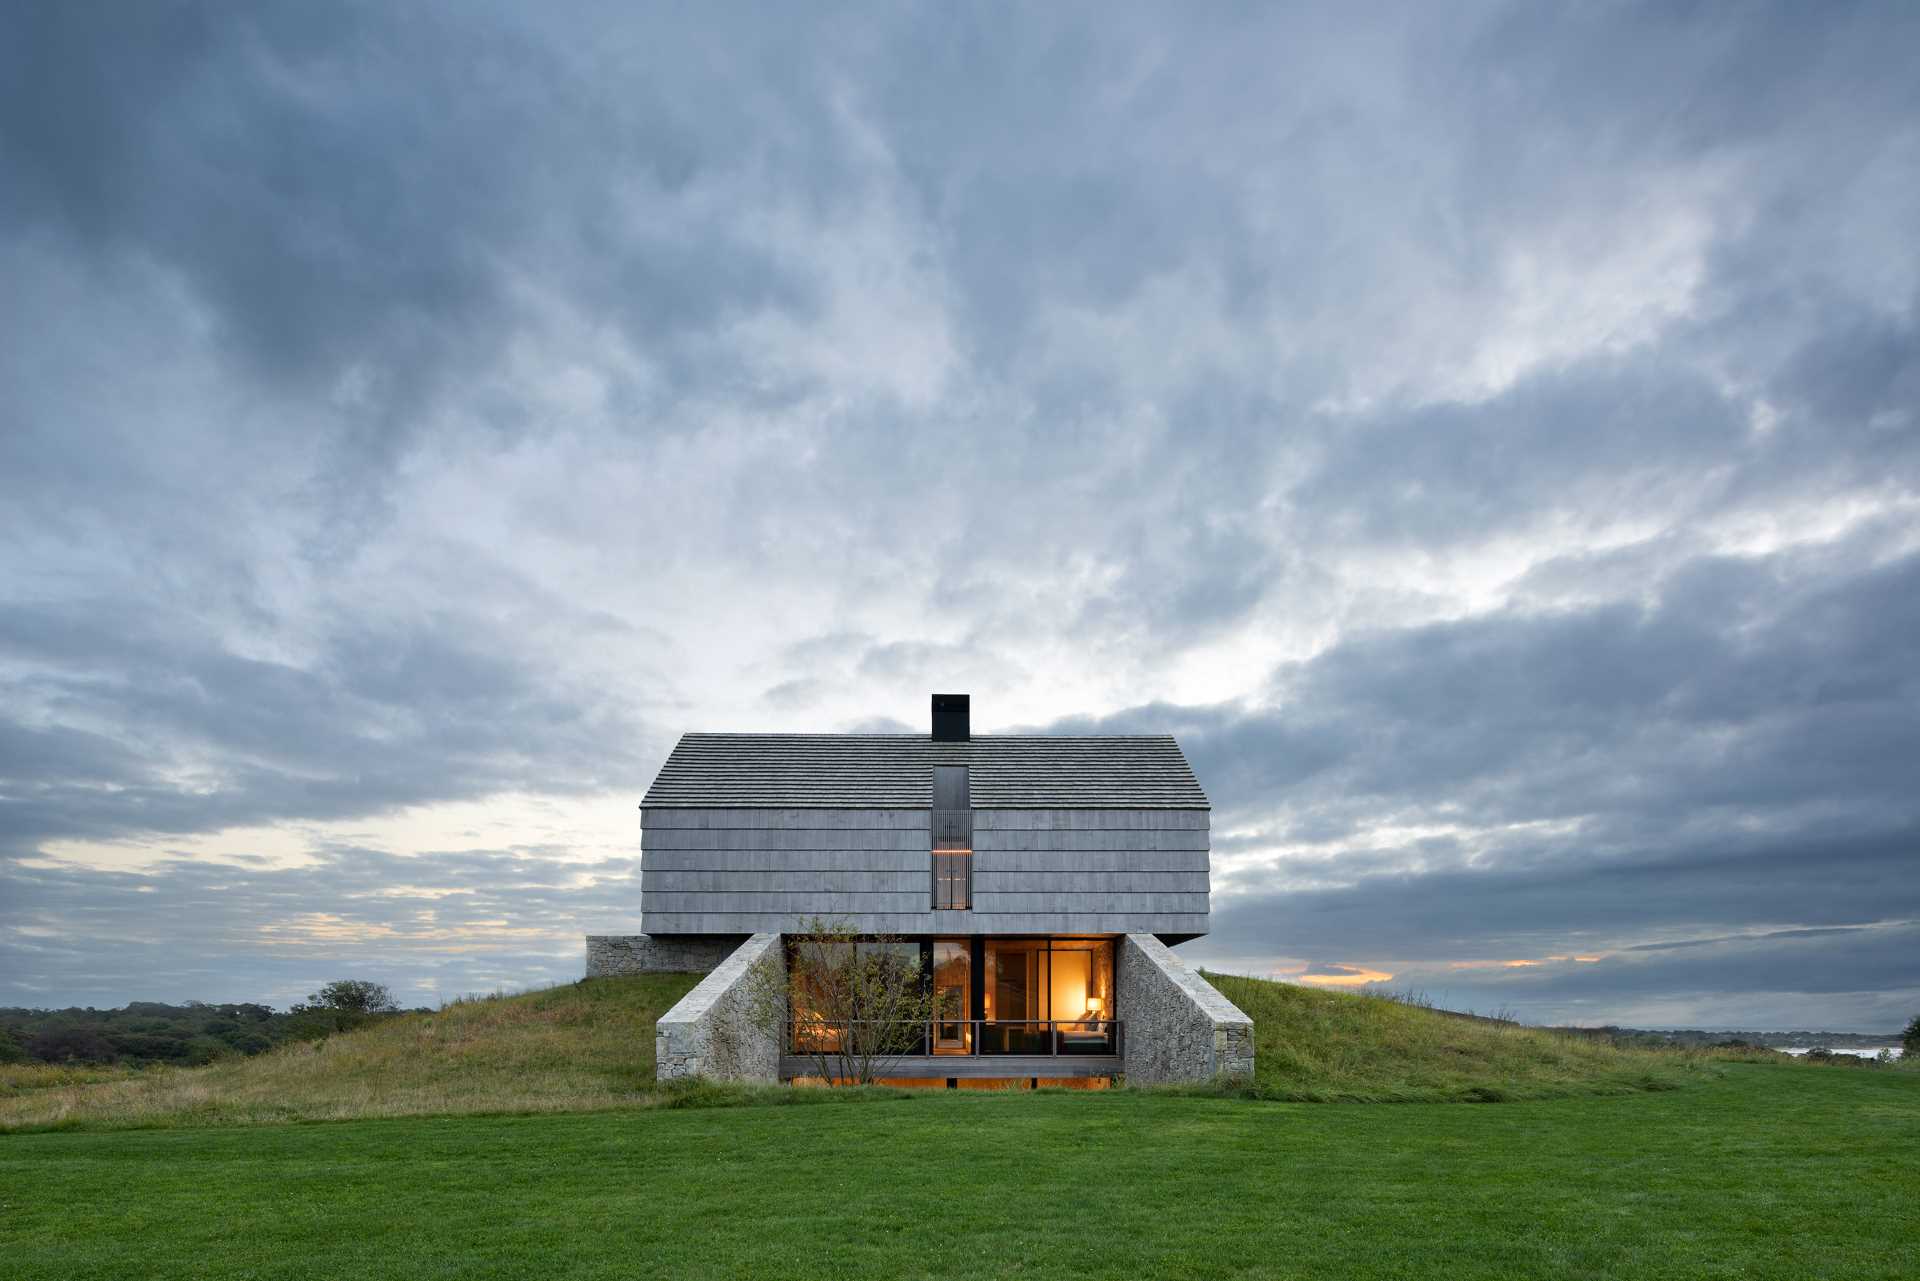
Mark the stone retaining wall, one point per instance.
(1178, 1026)
(713, 1033)
(612, 954)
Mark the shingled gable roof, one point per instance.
(894, 771)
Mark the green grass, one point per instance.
(1766, 1171)
(585, 1046)
(17, 1079)
(523, 1136)
(1315, 1046)
(589, 1047)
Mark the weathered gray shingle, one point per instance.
(896, 771)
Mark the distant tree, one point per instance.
(248, 1042)
(205, 1049)
(66, 1044)
(11, 1051)
(353, 996)
(340, 1006)
(1910, 1039)
(151, 1032)
(151, 1047)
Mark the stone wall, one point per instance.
(613, 954)
(714, 1031)
(1177, 1025)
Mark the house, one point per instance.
(1042, 879)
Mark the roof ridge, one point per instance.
(926, 738)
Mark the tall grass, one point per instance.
(577, 1048)
(589, 1046)
(1318, 1046)
(25, 1078)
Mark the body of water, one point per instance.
(1858, 1051)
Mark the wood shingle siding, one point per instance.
(744, 833)
(1085, 840)
(911, 820)
(785, 838)
(1039, 871)
(922, 923)
(1072, 820)
(757, 863)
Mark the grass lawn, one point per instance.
(1761, 1171)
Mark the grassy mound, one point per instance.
(1317, 1047)
(589, 1046)
(569, 1049)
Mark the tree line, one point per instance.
(152, 1032)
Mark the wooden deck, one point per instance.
(974, 1066)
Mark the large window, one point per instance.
(832, 982)
(1005, 996)
(1043, 991)
(952, 838)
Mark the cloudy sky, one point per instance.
(1485, 434)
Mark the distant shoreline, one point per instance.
(1797, 1038)
(1858, 1051)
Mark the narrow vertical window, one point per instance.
(952, 838)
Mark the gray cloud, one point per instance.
(1737, 753)
(383, 717)
(1487, 439)
(1541, 902)
(437, 925)
(1760, 684)
(1859, 977)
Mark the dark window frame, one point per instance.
(952, 880)
(951, 863)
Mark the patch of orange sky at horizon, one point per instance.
(1519, 963)
(1362, 976)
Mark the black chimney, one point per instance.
(950, 719)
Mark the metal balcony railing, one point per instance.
(957, 1037)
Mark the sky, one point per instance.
(1484, 434)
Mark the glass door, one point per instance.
(1016, 988)
(1082, 993)
(953, 993)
